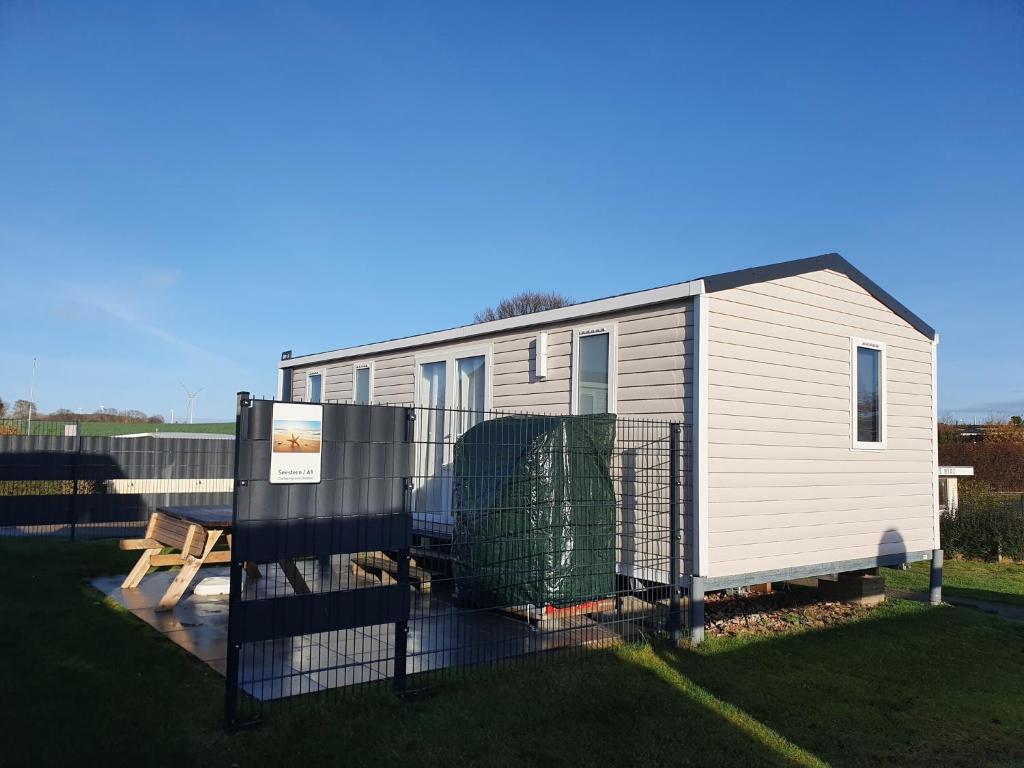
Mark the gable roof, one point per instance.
(833, 261)
(666, 293)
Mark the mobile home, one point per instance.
(807, 392)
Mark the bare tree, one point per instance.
(22, 409)
(523, 304)
(3, 408)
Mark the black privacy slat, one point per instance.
(259, 620)
(271, 540)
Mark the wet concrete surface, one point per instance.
(442, 634)
(197, 624)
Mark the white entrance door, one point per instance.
(452, 395)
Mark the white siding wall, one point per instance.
(654, 346)
(785, 488)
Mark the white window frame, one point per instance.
(612, 329)
(883, 404)
(323, 385)
(448, 356)
(356, 367)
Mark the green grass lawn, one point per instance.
(104, 429)
(108, 428)
(998, 582)
(87, 683)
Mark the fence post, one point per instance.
(235, 585)
(73, 458)
(402, 627)
(674, 622)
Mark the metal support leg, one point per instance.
(935, 583)
(696, 610)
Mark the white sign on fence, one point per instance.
(956, 471)
(297, 440)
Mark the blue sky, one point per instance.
(186, 189)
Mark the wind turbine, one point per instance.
(31, 394)
(191, 400)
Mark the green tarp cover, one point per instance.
(534, 510)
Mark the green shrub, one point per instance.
(49, 487)
(986, 525)
(996, 461)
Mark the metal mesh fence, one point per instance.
(440, 539)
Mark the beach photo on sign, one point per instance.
(292, 436)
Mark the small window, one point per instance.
(593, 371)
(868, 390)
(362, 377)
(315, 385)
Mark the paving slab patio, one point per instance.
(441, 633)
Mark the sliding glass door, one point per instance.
(452, 391)
(470, 391)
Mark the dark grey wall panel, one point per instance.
(39, 471)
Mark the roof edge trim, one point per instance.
(833, 261)
(624, 301)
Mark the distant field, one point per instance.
(102, 429)
(105, 428)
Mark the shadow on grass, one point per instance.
(88, 684)
(597, 710)
(908, 685)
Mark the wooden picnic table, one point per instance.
(194, 531)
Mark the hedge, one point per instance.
(986, 525)
(1001, 465)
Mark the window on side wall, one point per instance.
(362, 384)
(867, 387)
(314, 387)
(594, 370)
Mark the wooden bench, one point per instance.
(380, 566)
(194, 532)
